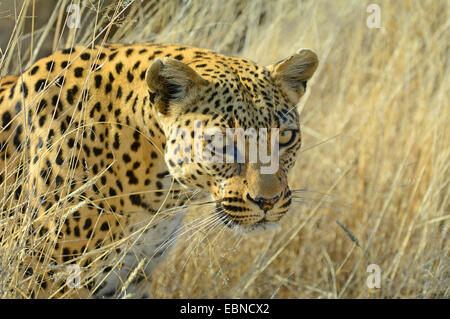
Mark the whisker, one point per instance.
(162, 248)
(166, 244)
(183, 229)
(212, 226)
(210, 230)
(226, 222)
(321, 199)
(192, 225)
(312, 204)
(306, 190)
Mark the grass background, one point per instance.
(376, 152)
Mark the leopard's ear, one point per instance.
(294, 72)
(170, 82)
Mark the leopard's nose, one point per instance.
(263, 202)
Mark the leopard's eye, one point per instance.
(287, 137)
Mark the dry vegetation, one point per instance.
(376, 155)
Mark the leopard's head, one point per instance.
(233, 130)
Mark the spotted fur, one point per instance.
(94, 127)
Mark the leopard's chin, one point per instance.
(257, 228)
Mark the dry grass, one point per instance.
(376, 151)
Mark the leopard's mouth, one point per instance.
(235, 222)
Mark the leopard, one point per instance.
(90, 155)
